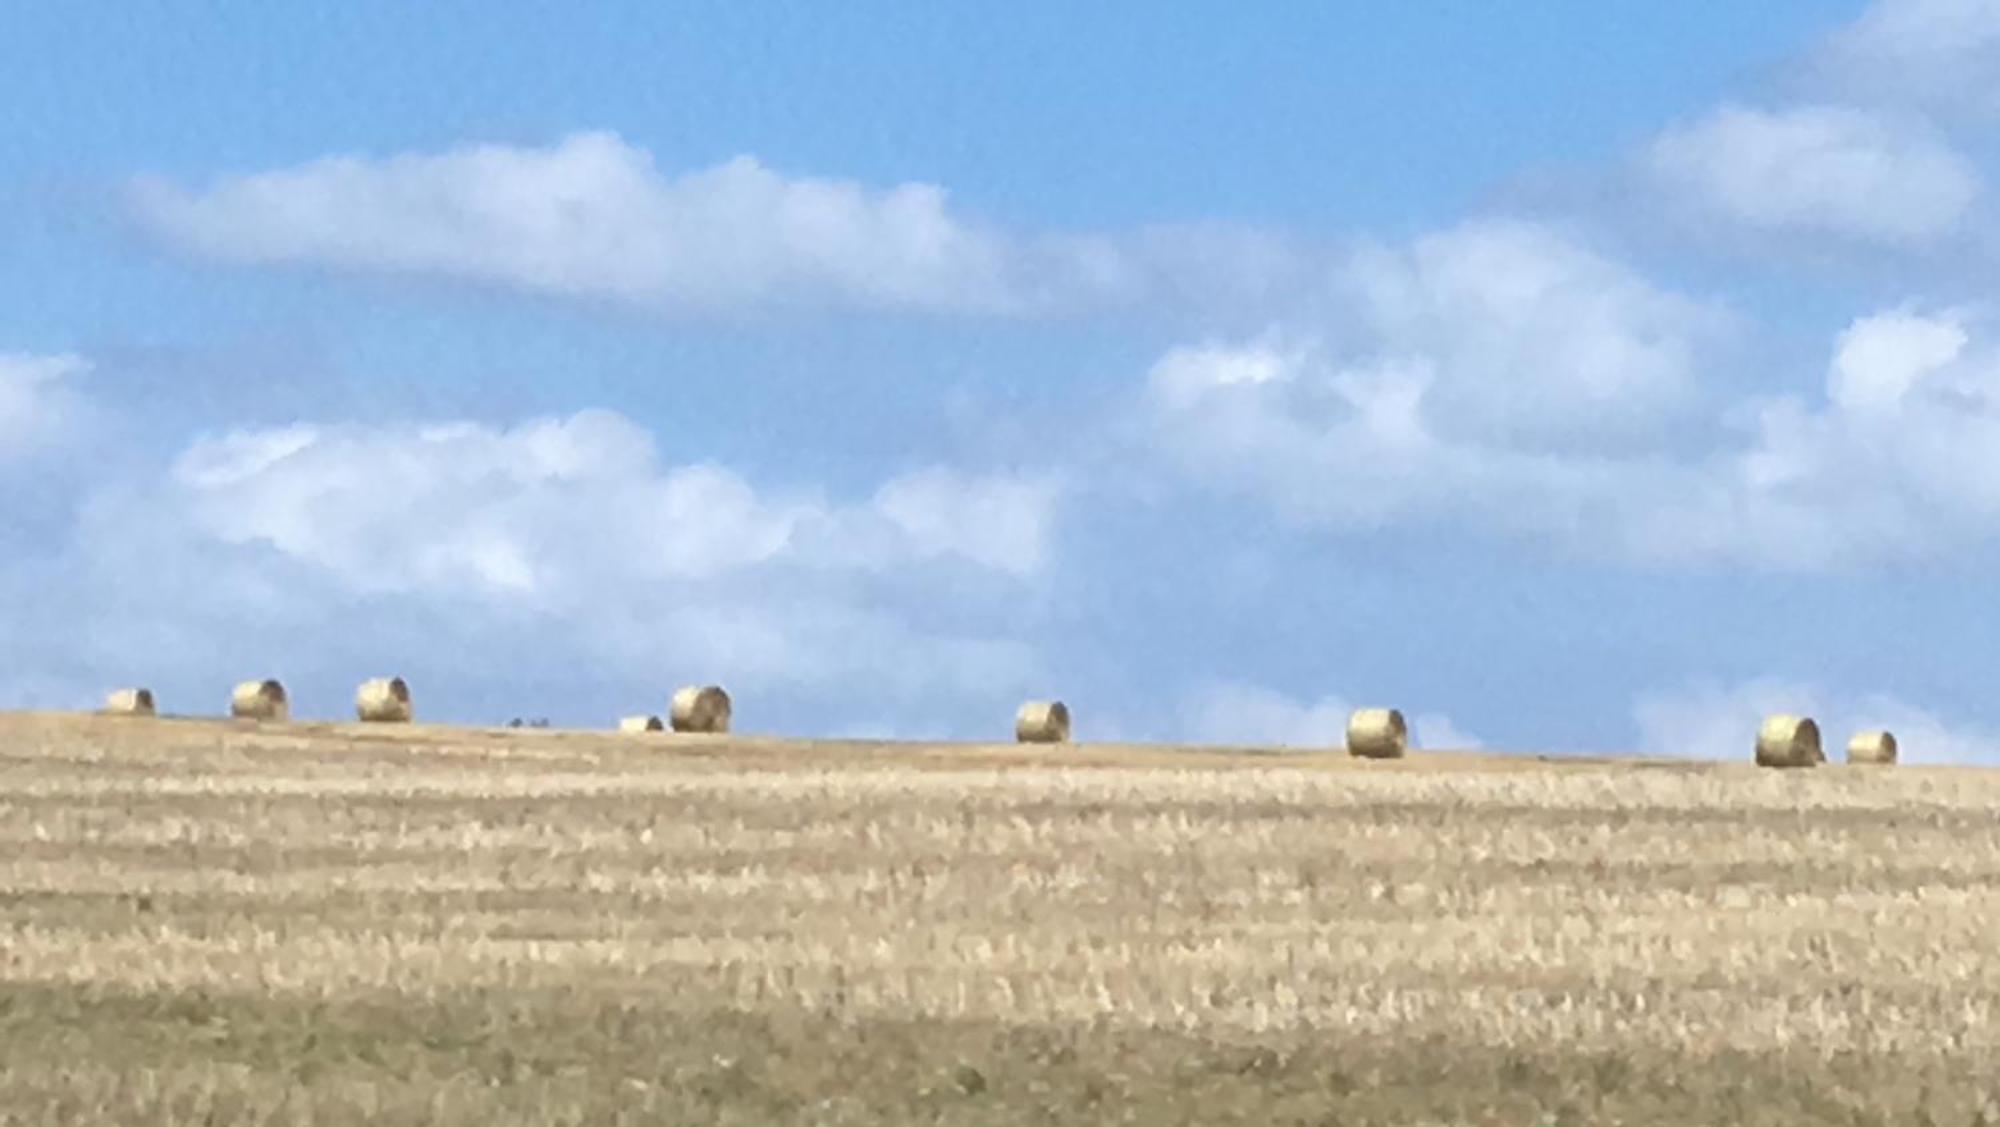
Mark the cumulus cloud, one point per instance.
(1001, 523)
(38, 402)
(1525, 335)
(1895, 461)
(1818, 170)
(1500, 374)
(538, 510)
(1234, 713)
(1708, 720)
(1939, 53)
(592, 218)
(553, 508)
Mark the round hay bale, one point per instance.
(1789, 741)
(130, 702)
(641, 724)
(383, 700)
(260, 700)
(1377, 733)
(1877, 748)
(700, 708)
(1042, 722)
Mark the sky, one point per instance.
(1575, 377)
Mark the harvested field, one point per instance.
(212, 923)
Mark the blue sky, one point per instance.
(1575, 376)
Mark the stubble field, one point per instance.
(206, 922)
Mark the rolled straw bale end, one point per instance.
(1785, 740)
(641, 724)
(1875, 748)
(1042, 722)
(383, 700)
(1377, 733)
(700, 708)
(260, 700)
(129, 702)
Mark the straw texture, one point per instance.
(383, 700)
(1377, 733)
(260, 700)
(700, 708)
(1785, 740)
(1042, 722)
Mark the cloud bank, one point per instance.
(591, 218)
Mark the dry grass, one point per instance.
(333, 923)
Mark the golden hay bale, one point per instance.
(641, 724)
(383, 700)
(130, 702)
(1377, 733)
(1042, 722)
(1789, 741)
(260, 700)
(1872, 747)
(700, 708)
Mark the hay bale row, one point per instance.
(707, 709)
(384, 699)
(1783, 740)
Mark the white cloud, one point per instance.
(1003, 523)
(38, 403)
(1821, 170)
(552, 509)
(1185, 374)
(1879, 360)
(1344, 447)
(1713, 721)
(1942, 53)
(1251, 714)
(1526, 336)
(1899, 461)
(1234, 713)
(1499, 374)
(1896, 462)
(547, 505)
(591, 218)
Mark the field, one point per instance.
(209, 922)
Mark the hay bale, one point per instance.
(641, 724)
(1042, 722)
(260, 700)
(1789, 741)
(1878, 748)
(700, 708)
(1377, 733)
(129, 702)
(383, 700)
